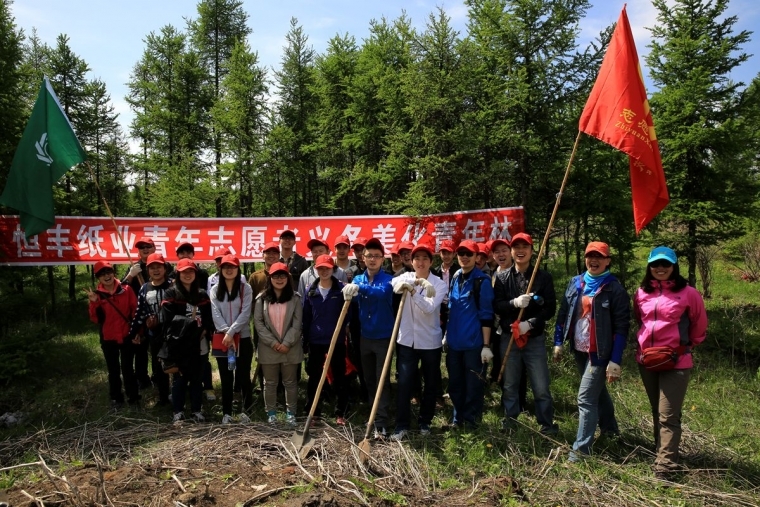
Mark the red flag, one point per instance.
(617, 112)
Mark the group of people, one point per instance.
(484, 303)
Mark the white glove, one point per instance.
(524, 326)
(557, 352)
(613, 371)
(486, 355)
(399, 288)
(522, 301)
(134, 270)
(349, 291)
(429, 289)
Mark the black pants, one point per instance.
(119, 363)
(408, 361)
(317, 356)
(240, 375)
(160, 379)
(141, 361)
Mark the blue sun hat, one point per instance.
(662, 252)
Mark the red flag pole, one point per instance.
(542, 249)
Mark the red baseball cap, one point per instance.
(468, 245)
(145, 240)
(230, 259)
(316, 242)
(324, 261)
(598, 247)
(278, 267)
(102, 266)
(423, 247)
(272, 245)
(522, 236)
(483, 248)
(185, 245)
(155, 258)
(498, 241)
(406, 245)
(342, 240)
(447, 245)
(375, 243)
(394, 249)
(185, 264)
(360, 241)
(221, 252)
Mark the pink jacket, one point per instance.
(668, 318)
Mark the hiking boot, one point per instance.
(398, 436)
(198, 417)
(227, 419)
(244, 418)
(290, 418)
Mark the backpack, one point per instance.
(181, 342)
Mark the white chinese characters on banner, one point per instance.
(96, 238)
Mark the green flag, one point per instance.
(46, 151)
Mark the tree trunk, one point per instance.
(51, 285)
(691, 252)
(72, 282)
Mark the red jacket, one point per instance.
(668, 318)
(114, 312)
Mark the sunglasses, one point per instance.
(465, 253)
(660, 263)
(279, 276)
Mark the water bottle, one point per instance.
(231, 359)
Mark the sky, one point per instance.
(109, 36)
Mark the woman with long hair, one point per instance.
(277, 317)
(672, 319)
(231, 309)
(186, 313)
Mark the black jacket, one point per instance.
(538, 313)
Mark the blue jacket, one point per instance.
(376, 305)
(611, 314)
(321, 315)
(467, 316)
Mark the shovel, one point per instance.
(302, 441)
(365, 446)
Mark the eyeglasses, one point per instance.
(465, 253)
(373, 257)
(279, 276)
(660, 263)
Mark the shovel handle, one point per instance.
(330, 351)
(386, 365)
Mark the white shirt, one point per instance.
(421, 318)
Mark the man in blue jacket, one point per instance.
(376, 317)
(468, 336)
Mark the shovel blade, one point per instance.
(300, 439)
(364, 449)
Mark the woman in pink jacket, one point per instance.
(670, 313)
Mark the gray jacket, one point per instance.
(268, 336)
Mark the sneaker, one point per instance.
(210, 396)
(290, 418)
(244, 418)
(178, 417)
(398, 436)
(424, 430)
(340, 421)
(227, 419)
(198, 417)
(272, 417)
(380, 433)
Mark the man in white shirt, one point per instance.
(420, 340)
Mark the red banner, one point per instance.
(84, 240)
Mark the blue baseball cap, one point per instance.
(662, 252)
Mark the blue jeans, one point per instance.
(589, 396)
(466, 385)
(607, 421)
(533, 357)
(406, 362)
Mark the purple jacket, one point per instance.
(668, 318)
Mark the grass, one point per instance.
(721, 443)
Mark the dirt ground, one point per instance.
(154, 464)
